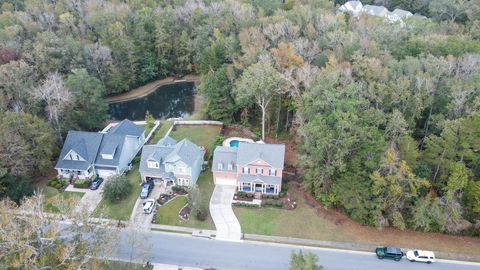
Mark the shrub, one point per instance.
(117, 188)
(284, 188)
(199, 210)
(52, 182)
(80, 183)
(250, 195)
(136, 159)
(179, 189)
(149, 119)
(241, 194)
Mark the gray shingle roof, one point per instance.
(184, 150)
(109, 141)
(85, 144)
(402, 13)
(270, 180)
(167, 141)
(375, 10)
(126, 127)
(273, 154)
(224, 155)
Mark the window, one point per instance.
(245, 170)
(230, 166)
(273, 172)
(220, 166)
(153, 164)
(259, 170)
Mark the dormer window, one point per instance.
(273, 172)
(153, 164)
(220, 166)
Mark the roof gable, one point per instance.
(85, 144)
(126, 127)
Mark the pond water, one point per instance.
(172, 100)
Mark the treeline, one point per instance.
(387, 116)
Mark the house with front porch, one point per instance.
(86, 154)
(252, 167)
(172, 162)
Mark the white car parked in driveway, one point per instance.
(420, 256)
(148, 206)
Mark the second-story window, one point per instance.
(245, 170)
(259, 171)
(273, 172)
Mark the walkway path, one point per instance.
(91, 198)
(226, 223)
(143, 91)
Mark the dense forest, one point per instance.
(387, 116)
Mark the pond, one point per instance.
(172, 100)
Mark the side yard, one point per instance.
(311, 221)
(123, 209)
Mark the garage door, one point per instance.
(225, 181)
(104, 173)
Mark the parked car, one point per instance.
(95, 184)
(146, 189)
(389, 253)
(148, 206)
(420, 256)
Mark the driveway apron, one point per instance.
(226, 223)
(139, 219)
(90, 200)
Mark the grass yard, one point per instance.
(53, 198)
(115, 265)
(168, 213)
(202, 135)
(147, 129)
(123, 209)
(161, 131)
(313, 222)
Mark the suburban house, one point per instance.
(352, 7)
(252, 167)
(85, 154)
(356, 8)
(172, 162)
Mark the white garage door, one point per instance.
(225, 181)
(104, 173)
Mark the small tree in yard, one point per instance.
(199, 211)
(149, 119)
(304, 261)
(117, 188)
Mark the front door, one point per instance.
(258, 187)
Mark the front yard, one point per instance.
(53, 199)
(311, 221)
(123, 209)
(168, 213)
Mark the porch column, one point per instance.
(264, 188)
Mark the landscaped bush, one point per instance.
(195, 202)
(274, 203)
(136, 159)
(241, 194)
(242, 204)
(81, 183)
(270, 196)
(284, 188)
(57, 183)
(117, 188)
(179, 189)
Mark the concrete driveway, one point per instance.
(91, 198)
(138, 218)
(226, 223)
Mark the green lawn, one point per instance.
(161, 131)
(53, 199)
(203, 135)
(168, 214)
(123, 209)
(147, 129)
(316, 223)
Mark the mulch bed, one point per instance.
(164, 198)
(243, 199)
(185, 212)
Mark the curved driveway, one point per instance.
(226, 223)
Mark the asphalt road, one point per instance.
(185, 250)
